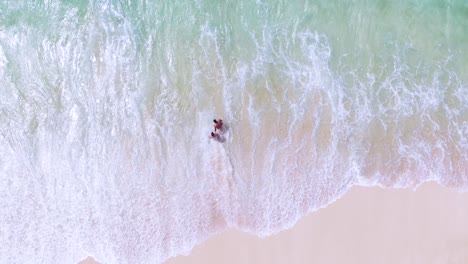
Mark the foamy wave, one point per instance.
(106, 110)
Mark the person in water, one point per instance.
(214, 135)
(218, 124)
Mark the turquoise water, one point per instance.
(106, 108)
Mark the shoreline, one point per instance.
(366, 225)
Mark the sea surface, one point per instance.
(106, 108)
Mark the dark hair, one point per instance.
(214, 120)
(212, 134)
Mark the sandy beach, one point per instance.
(367, 225)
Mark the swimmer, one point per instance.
(214, 136)
(218, 124)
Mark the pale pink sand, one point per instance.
(368, 225)
(88, 260)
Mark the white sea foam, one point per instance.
(105, 116)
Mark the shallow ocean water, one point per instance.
(106, 108)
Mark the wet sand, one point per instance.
(367, 225)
